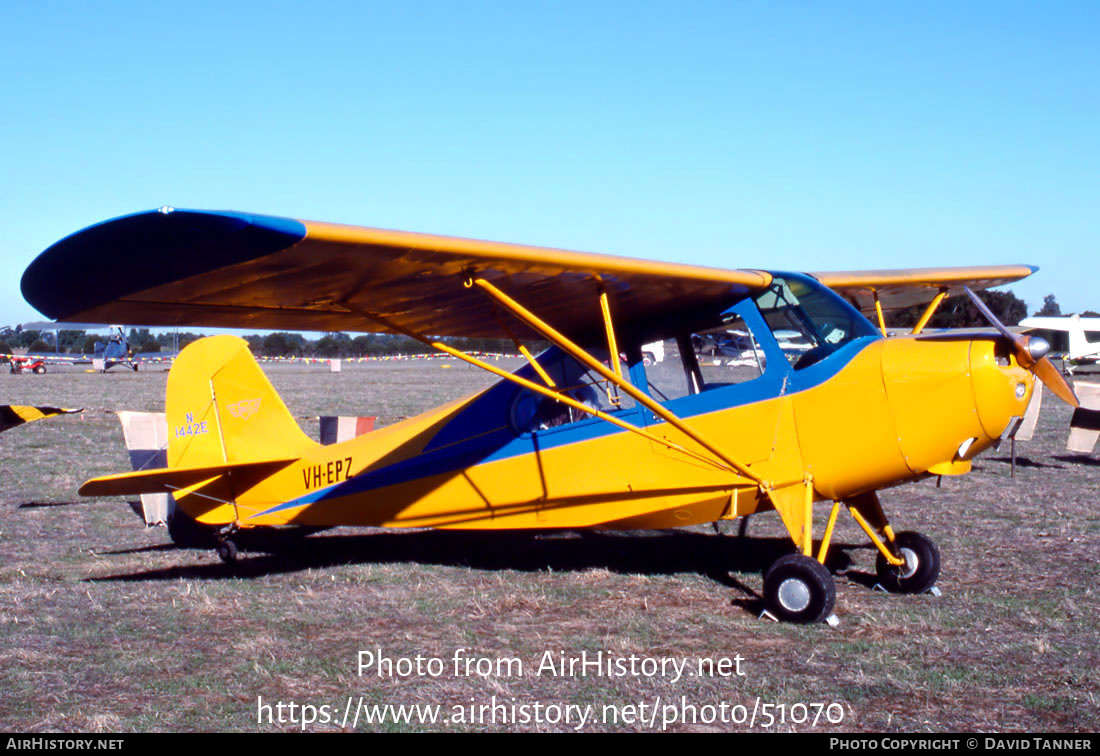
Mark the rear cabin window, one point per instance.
(720, 356)
(532, 411)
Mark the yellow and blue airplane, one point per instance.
(807, 401)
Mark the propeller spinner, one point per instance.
(1031, 354)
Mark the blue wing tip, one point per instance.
(135, 252)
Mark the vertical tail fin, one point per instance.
(222, 409)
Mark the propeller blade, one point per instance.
(1046, 372)
(993, 321)
(1019, 342)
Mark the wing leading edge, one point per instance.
(203, 268)
(182, 268)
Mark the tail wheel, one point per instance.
(799, 589)
(921, 569)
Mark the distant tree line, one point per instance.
(283, 344)
(960, 312)
(80, 342)
(1051, 308)
(342, 345)
(955, 312)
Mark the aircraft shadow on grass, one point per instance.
(654, 553)
(1023, 462)
(45, 504)
(1079, 459)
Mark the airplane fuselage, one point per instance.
(873, 412)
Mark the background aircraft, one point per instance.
(1081, 349)
(584, 435)
(115, 350)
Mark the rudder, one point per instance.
(222, 409)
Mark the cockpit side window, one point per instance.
(808, 321)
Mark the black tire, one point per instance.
(922, 565)
(798, 588)
(227, 551)
(39, 369)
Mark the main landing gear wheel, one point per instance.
(922, 565)
(227, 551)
(798, 588)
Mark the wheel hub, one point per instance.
(911, 563)
(793, 594)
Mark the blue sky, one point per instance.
(806, 136)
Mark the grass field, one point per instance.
(106, 626)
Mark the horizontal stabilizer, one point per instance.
(173, 478)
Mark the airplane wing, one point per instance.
(179, 268)
(183, 267)
(898, 289)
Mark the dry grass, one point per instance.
(105, 626)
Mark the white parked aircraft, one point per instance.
(1081, 349)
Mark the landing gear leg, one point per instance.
(797, 587)
(907, 562)
(921, 568)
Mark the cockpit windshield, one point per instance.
(808, 320)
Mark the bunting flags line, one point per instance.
(83, 358)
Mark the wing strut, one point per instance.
(878, 311)
(525, 352)
(545, 391)
(929, 311)
(587, 359)
(612, 346)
